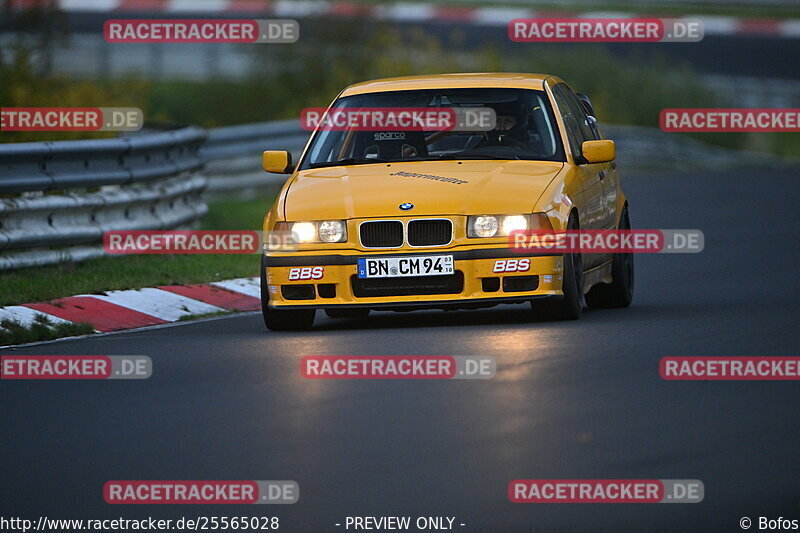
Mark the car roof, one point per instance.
(450, 81)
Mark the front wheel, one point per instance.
(618, 293)
(568, 306)
(283, 320)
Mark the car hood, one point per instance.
(435, 188)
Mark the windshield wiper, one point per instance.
(348, 161)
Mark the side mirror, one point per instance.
(277, 162)
(599, 151)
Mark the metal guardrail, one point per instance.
(58, 198)
(248, 139)
(233, 153)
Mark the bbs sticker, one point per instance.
(512, 265)
(306, 273)
(390, 136)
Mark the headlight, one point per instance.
(514, 223)
(322, 231)
(485, 226)
(303, 232)
(331, 230)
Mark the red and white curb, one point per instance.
(118, 310)
(402, 12)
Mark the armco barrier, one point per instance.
(233, 153)
(57, 198)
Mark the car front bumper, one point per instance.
(313, 280)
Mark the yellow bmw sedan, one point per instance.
(388, 217)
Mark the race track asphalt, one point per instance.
(570, 400)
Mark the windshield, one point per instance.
(524, 128)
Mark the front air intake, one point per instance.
(381, 234)
(433, 232)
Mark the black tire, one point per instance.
(359, 312)
(283, 320)
(568, 306)
(618, 293)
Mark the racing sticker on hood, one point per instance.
(405, 174)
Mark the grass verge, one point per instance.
(42, 329)
(188, 318)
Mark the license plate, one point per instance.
(397, 267)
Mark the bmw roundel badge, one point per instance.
(406, 206)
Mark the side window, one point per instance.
(574, 134)
(588, 129)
